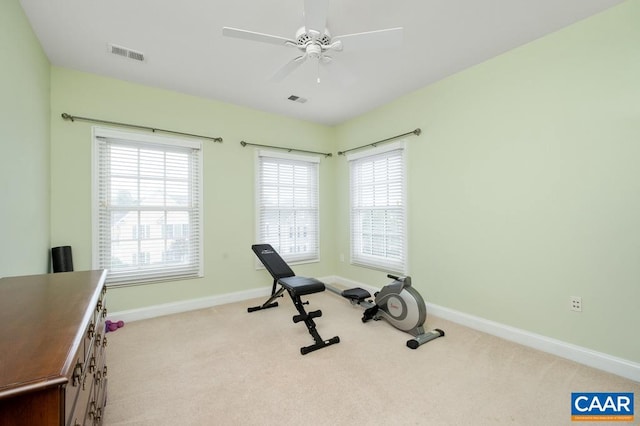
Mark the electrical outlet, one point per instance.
(575, 303)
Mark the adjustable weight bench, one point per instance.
(296, 287)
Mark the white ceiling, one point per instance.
(185, 51)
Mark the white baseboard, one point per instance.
(194, 304)
(187, 305)
(599, 360)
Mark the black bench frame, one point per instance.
(296, 287)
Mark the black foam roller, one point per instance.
(62, 259)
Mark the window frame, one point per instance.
(142, 139)
(367, 260)
(313, 257)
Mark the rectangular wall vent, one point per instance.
(298, 99)
(126, 52)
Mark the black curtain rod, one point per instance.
(135, 126)
(243, 143)
(414, 132)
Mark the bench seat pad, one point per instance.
(302, 285)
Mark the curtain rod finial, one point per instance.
(417, 131)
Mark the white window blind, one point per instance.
(287, 204)
(147, 207)
(378, 208)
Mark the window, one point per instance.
(287, 204)
(378, 225)
(142, 231)
(147, 207)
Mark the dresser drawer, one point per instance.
(84, 405)
(74, 386)
(48, 376)
(96, 400)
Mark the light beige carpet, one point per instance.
(224, 366)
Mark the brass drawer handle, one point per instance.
(77, 372)
(92, 364)
(91, 331)
(104, 371)
(99, 306)
(104, 342)
(92, 410)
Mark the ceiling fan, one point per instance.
(314, 41)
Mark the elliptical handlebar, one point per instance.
(403, 281)
(399, 277)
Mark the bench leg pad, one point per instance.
(320, 345)
(307, 318)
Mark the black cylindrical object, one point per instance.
(61, 259)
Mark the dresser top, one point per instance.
(42, 323)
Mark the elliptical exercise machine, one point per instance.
(399, 304)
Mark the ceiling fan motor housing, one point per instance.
(304, 37)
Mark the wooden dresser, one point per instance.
(53, 349)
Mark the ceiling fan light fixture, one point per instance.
(314, 51)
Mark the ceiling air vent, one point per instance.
(126, 52)
(298, 99)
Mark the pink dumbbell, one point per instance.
(113, 326)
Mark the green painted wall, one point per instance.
(228, 178)
(524, 188)
(24, 146)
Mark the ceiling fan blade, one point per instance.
(315, 15)
(288, 68)
(254, 36)
(388, 38)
